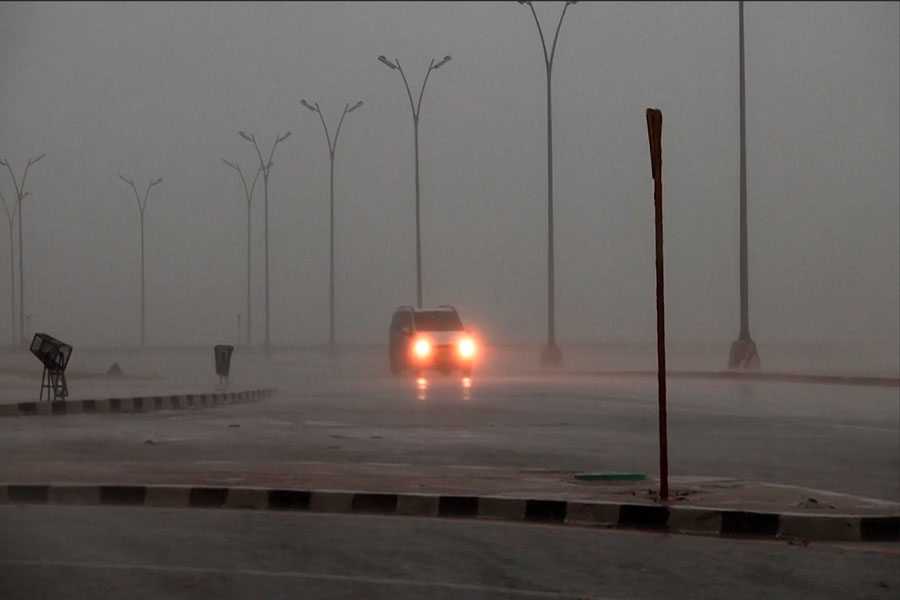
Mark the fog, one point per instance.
(149, 90)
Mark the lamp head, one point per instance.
(387, 62)
(355, 106)
(245, 136)
(309, 106)
(443, 61)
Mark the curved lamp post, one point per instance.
(248, 194)
(551, 354)
(331, 147)
(142, 205)
(265, 166)
(395, 64)
(20, 195)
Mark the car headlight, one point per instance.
(466, 348)
(422, 348)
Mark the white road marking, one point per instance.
(301, 575)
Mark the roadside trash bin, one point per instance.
(223, 361)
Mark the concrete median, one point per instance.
(622, 515)
(138, 404)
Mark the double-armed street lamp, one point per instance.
(551, 354)
(331, 147)
(395, 64)
(248, 194)
(142, 205)
(265, 166)
(20, 195)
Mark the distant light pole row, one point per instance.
(20, 195)
(551, 353)
(142, 205)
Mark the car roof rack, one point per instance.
(447, 306)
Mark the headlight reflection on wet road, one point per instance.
(423, 384)
(466, 389)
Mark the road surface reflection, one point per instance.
(423, 385)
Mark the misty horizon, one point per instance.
(161, 90)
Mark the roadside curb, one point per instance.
(138, 404)
(862, 380)
(657, 517)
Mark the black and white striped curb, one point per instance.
(135, 405)
(673, 519)
(765, 376)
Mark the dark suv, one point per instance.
(430, 339)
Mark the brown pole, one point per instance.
(654, 129)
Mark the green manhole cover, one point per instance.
(610, 476)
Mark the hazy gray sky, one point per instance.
(161, 89)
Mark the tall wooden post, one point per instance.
(654, 129)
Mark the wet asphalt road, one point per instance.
(81, 553)
(839, 438)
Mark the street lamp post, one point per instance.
(11, 219)
(265, 166)
(551, 354)
(331, 147)
(248, 194)
(20, 195)
(743, 350)
(142, 205)
(395, 64)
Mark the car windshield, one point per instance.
(437, 320)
